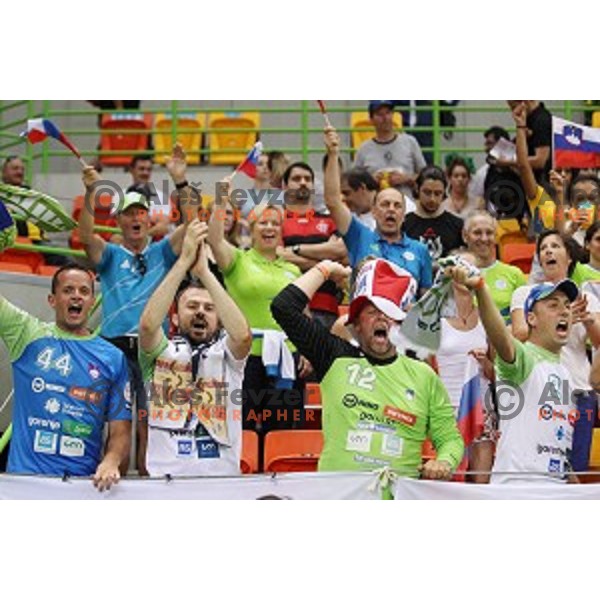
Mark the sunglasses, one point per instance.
(140, 264)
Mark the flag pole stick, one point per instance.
(324, 113)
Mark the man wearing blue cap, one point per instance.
(391, 155)
(534, 391)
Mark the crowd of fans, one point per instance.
(238, 306)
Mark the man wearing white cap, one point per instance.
(378, 406)
(534, 392)
(130, 272)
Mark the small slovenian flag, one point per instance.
(40, 129)
(575, 146)
(470, 418)
(248, 165)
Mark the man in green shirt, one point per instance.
(378, 406)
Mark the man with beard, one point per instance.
(430, 224)
(194, 413)
(309, 237)
(387, 241)
(378, 406)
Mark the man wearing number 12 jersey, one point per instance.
(378, 406)
(67, 384)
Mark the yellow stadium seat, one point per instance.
(237, 144)
(596, 119)
(191, 141)
(362, 119)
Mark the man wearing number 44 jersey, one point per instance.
(378, 406)
(537, 411)
(67, 384)
(195, 426)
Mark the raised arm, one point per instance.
(234, 322)
(222, 249)
(519, 114)
(188, 200)
(332, 187)
(93, 244)
(492, 320)
(157, 308)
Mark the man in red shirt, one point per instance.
(310, 237)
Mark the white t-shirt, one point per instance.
(452, 356)
(536, 417)
(573, 355)
(201, 434)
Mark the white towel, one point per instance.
(276, 356)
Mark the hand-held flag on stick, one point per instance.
(40, 129)
(248, 165)
(324, 112)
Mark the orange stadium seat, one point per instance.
(134, 137)
(292, 451)
(47, 270)
(191, 141)
(312, 395)
(239, 143)
(102, 216)
(519, 255)
(24, 257)
(10, 267)
(362, 119)
(249, 460)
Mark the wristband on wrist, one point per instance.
(480, 284)
(323, 270)
(183, 184)
(521, 126)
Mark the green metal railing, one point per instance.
(14, 115)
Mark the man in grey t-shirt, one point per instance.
(393, 155)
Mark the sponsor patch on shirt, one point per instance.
(359, 441)
(391, 445)
(554, 465)
(45, 442)
(184, 447)
(71, 446)
(399, 415)
(408, 255)
(207, 448)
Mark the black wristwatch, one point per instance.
(296, 249)
(180, 186)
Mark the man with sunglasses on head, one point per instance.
(129, 272)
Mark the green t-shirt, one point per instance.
(253, 281)
(502, 280)
(380, 415)
(583, 273)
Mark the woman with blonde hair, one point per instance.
(272, 391)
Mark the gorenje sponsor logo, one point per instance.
(37, 422)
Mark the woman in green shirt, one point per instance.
(272, 392)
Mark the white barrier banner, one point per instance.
(410, 489)
(288, 486)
